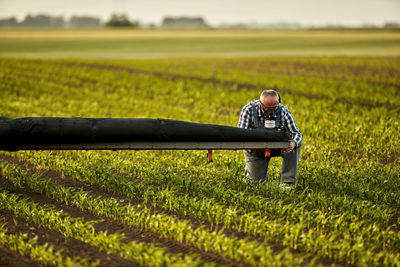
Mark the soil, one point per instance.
(9, 258)
(72, 247)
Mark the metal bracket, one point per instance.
(209, 155)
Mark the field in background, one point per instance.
(128, 44)
(174, 208)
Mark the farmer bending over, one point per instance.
(269, 113)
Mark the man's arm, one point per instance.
(245, 117)
(294, 131)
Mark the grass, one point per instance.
(130, 44)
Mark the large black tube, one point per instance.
(46, 130)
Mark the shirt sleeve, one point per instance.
(291, 125)
(245, 117)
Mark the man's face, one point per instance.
(269, 103)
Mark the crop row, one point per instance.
(309, 230)
(305, 83)
(58, 220)
(366, 127)
(225, 188)
(252, 252)
(345, 208)
(210, 181)
(80, 72)
(44, 254)
(353, 69)
(370, 135)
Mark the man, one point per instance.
(267, 112)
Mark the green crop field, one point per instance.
(174, 208)
(128, 44)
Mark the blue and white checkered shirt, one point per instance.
(287, 123)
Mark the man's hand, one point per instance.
(289, 149)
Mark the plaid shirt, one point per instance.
(288, 124)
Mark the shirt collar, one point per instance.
(259, 112)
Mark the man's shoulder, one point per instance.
(250, 105)
(284, 108)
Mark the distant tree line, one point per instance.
(46, 21)
(184, 22)
(122, 20)
(116, 20)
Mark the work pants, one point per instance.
(257, 164)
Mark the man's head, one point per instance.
(269, 100)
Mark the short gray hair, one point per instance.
(269, 92)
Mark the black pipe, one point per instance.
(50, 130)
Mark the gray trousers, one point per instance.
(257, 164)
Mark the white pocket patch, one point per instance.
(269, 124)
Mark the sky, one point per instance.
(216, 12)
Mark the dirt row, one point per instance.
(71, 247)
(9, 258)
(314, 70)
(109, 225)
(137, 234)
(233, 84)
(55, 81)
